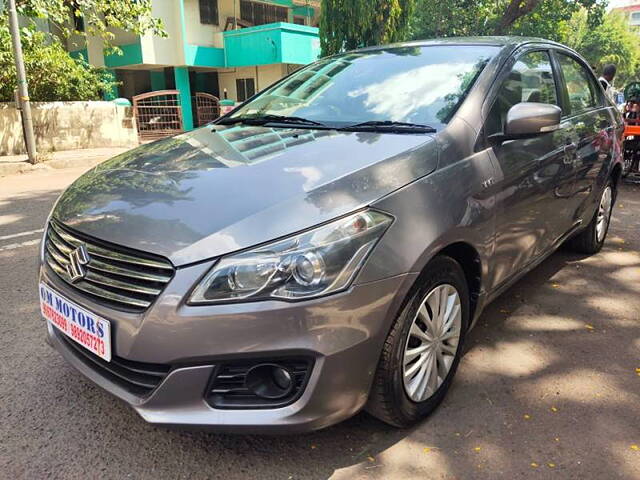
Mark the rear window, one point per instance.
(424, 84)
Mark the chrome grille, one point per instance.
(118, 278)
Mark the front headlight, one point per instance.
(314, 263)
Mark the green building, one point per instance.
(226, 48)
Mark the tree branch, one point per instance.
(514, 11)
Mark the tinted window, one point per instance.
(408, 84)
(530, 80)
(579, 84)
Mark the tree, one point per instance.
(613, 41)
(53, 74)
(349, 24)
(98, 18)
(541, 18)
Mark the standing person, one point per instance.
(606, 80)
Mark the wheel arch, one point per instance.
(616, 174)
(469, 260)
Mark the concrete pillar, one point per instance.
(158, 81)
(181, 75)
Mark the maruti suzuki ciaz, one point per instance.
(327, 245)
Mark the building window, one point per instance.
(635, 18)
(245, 88)
(209, 12)
(298, 20)
(76, 15)
(261, 13)
(78, 23)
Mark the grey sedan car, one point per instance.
(327, 246)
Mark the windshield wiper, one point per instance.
(264, 119)
(388, 126)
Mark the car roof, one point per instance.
(506, 42)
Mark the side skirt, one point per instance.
(485, 298)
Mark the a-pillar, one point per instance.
(181, 75)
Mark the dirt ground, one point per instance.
(549, 386)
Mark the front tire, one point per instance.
(591, 239)
(423, 348)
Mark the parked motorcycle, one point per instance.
(631, 129)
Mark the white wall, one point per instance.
(95, 51)
(200, 33)
(264, 76)
(268, 74)
(69, 126)
(165, 51)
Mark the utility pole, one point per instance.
(23, 91)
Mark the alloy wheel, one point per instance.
(432, 343)
(604, 214)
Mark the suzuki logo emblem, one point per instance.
(78, 258)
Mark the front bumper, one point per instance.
(343, 333)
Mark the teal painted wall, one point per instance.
(284, 3)
(272, 43)
(300, 48)
(157, 81)
(78, 54)
(198, 56)
(304, 11)
(181, 75)
(131, 55)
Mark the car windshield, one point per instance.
(420, 85)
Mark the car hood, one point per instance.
(224, 188)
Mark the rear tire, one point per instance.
(399, 396)
(626, 166)
(628, 162)
(591, 239)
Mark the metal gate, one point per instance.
(207, 107)
(158, 114)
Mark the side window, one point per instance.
(579, 84)
(530, 80)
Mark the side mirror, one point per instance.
(528, 119)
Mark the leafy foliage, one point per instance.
(52, 73)
(581, 24)
(610, 42)
(540, 18)
(349, 24)
(101, 18)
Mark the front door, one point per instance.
(535, 175)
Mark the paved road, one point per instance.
(548, 387)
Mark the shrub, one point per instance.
(52, 73)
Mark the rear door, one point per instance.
(590, 129)
(534, 178)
